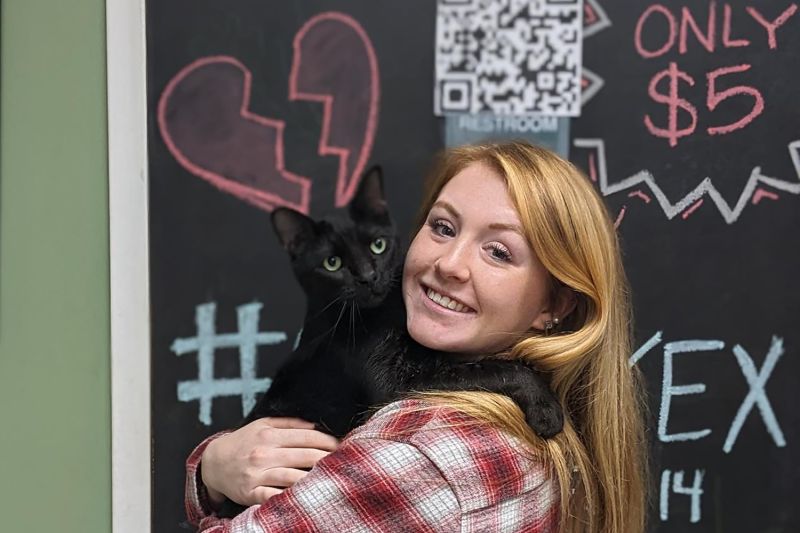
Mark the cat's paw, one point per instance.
(545, 416)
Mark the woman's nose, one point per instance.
(453, 263)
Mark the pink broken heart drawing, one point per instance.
(205, 120)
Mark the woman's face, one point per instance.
(471, 282)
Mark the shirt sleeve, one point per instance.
(198, 505)
(367, 485)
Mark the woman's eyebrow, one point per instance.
(510, 227)
(447, 207)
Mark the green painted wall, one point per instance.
(55, 445)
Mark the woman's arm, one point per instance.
(252, 464)
(413, 466)
(368, 484)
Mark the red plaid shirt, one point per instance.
(411, 467)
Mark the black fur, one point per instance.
(355, 353)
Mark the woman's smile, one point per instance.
(442, 301)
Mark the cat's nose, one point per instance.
(368, 277)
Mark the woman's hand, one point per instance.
(259, 460)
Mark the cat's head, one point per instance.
(349, 257)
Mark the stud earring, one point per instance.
(548, 327)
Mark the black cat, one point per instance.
(355, 353)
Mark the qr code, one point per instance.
(508, 57)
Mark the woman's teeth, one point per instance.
(449, 303)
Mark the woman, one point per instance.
(523, 244)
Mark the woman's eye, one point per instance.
(442, 228)
(500, 252)
(332, 263)
(378, 246)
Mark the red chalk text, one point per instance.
(714, 29)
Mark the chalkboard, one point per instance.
(689, 127)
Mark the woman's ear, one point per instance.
(562, 304)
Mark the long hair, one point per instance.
(600, 458)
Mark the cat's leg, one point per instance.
(519, 381)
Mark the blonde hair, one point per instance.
(600, 458)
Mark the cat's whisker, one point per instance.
(331, 330)
(337, 299)
(361, 319)
(353, 323)
(341, 312)
(395, 278)
(336, 324)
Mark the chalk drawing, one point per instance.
(591, 83)
(651, 343)
(756, 379)
(705, 188)
(762, 193)
(212, 95)
(695, 491)
(671, 32)
(205, 388)
(727, 42)
(707, 38)
(757, 395)
(620, 216)
(668, 390)
(594, 21)
(639, 194)
(594, 18)
(771, 26)
(336, 65)
(668, 28)
(692, 208)
(205, 119)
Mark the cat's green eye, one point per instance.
(378, 246)
(332, 263)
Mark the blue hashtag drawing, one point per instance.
(205, 388)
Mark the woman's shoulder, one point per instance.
(483, 464)
(411, 419)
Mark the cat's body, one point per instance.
(355, 353)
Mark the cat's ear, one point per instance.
(369, 203)
(292, 228)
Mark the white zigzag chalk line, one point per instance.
(705, 187)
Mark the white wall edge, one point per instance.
(129, 258)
